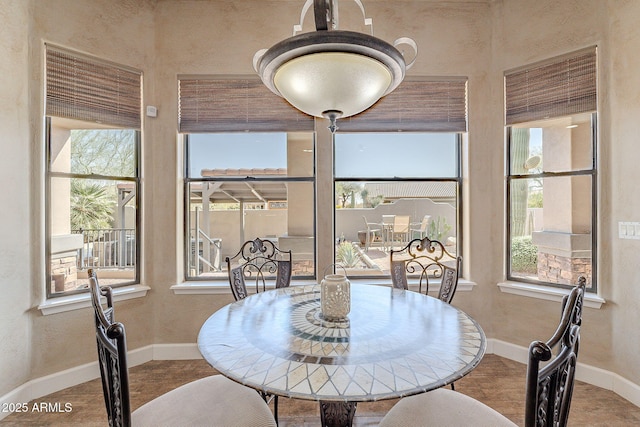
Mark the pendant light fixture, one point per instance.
(332, 73)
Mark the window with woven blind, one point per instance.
(235, 105)
(93, 140)
(551, 171)
(438, 105)
(229, 123)
(86, 88)
(559, 87)
(231, 105)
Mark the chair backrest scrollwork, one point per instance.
(429, 260)
(258, 260)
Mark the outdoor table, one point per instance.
(394, 343)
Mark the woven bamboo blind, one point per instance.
(438, 105)
(234, 105)
(560, 87)
(89, 89)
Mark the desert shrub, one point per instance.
(535, 200)
(524, 255)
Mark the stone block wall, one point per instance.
(563, 270)
(64, 273)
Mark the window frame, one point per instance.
(459, 191)
(50, 175)
(592, 172)
(188, 180)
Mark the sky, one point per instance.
(535, 139)
(388, 155)
(237, 150)
(357, 155)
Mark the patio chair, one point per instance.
(550, 380)
(420, 229)
(429, 260)
(214, 400)
(387, 227)
(258, 260)
(372, 233)
(400, 229)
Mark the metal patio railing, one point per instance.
(108, 248)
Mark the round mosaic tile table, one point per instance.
(394, 343)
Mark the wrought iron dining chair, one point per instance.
(258, 260)
(550, 379)
(429, 260)
(214, 400)
(373, 231)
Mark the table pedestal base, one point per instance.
(337, 414)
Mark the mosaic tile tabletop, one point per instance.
(394, 343)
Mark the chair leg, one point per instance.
(275, 408)
(268, 398)
(453, 387)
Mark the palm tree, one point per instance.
(91, 206)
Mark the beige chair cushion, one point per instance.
(212, 401)
(443, 407)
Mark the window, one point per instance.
(551, 171)
(395, 187)
(249, 173)
(93, 185)
(240, 186)
(398, 174)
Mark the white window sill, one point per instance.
(547, 293)
(222, 287)
(78, 301)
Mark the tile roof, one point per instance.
(400, 190)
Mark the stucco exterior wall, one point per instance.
(350, 221)
(166, 38)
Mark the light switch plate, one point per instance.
(629, 230)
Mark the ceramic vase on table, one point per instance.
(335, 297)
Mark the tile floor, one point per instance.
(498, 382)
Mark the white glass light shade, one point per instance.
(332, 81)
(331, 74)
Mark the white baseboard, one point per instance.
(586, 373)
(43, 386)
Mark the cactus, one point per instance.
(438, 228)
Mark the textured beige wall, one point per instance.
(526, 32)
(121, 32)
(620, 194)
(167, 38)
(16, 250)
